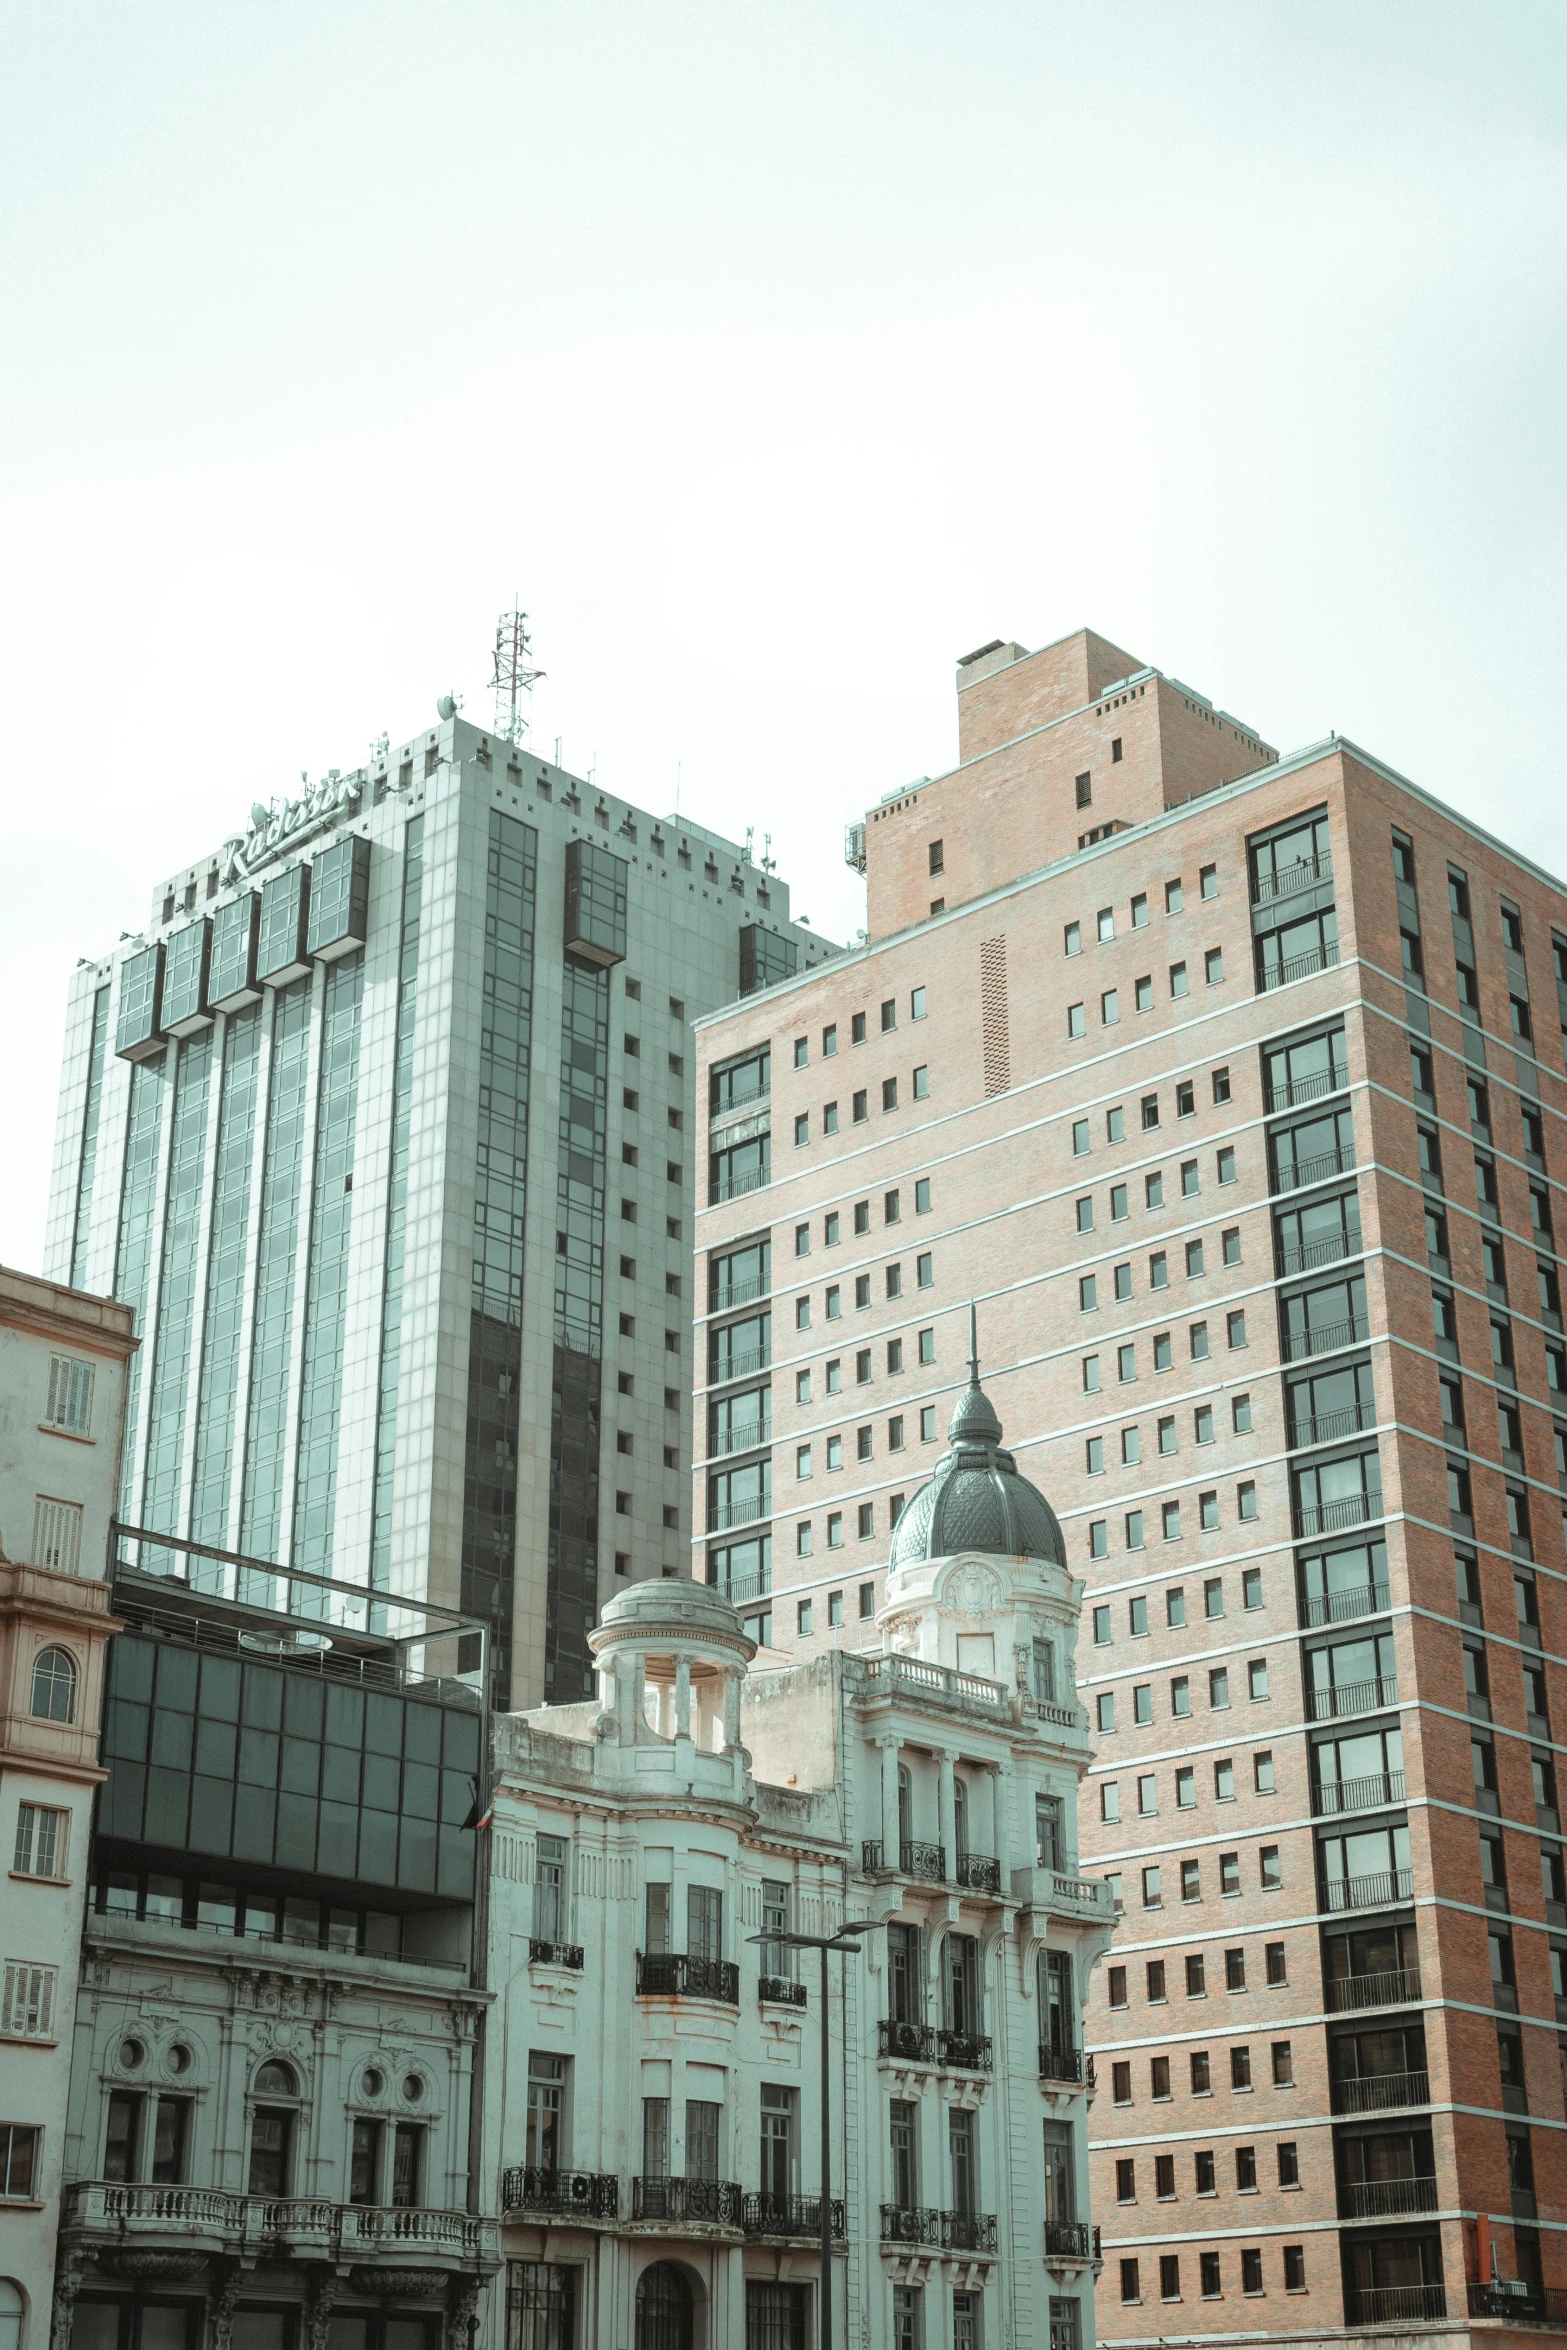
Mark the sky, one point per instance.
(773, 356)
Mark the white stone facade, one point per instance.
(652, 2102)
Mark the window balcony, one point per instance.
(1364, 1794)
(1352, 1331)
(274, 2227)
(782, 1990)
(1393, 1987)
(1294, 967)
(1353, 1697)
(723, 1514)
(1305, 873)
(1341, 1607)
(1070, 2239)
(1384, 2305)
(1307, 1089)
(908, 2043)
(927, 1862)
(740, 1590)
(741, 1364)
(1328, 1427)
(562, 2194)
(798, 2216)
(736, 1186)
(978, 1874)
(1373, 1892)
(1381, 2092)
(1385, 2198)
(945, 2231)
(674, 1974)
(1312, 1253)
(685, 2203)
(1330, 1517)
(741, 1292)
(748, 1438)
(567, 1954)
(1319, 1168)
(1519, 2303)
(1060, 2064)
(968, 2052)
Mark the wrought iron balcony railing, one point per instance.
(1316, 1167)
(1068, 2239)
(948, 2231)
(1385, 2198)
(688, 2202)
(1371, 1892)
(782, 1990)
(1393, 1987)
(910, 2043)
(925, 1861)
(1060, 2064)
(1354, 1697)
(673, 1974)
(555, 1953)
(578, 2194)
(969, 2052)
(1380, 2092)
(1311, 1253)
(1328, 1427)
(1294, 1091)
(792, 2215)
(1518, 2302)
(978, 1872)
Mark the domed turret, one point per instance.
(976, 1500)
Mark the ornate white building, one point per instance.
(652, 2109)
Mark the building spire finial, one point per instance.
(973, 1345)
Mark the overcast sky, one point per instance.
(775, 355)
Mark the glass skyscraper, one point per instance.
(385, 1128)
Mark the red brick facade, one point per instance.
(1377, 1214)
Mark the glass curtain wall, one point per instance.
(572, 1589)
(397, 1207)
(87, 1165)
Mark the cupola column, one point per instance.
(731, 1712)
(682, 1697)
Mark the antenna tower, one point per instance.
(515, 674)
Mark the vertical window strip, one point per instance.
(87, 1165)
(572, 1582)
(495, 1338)
(272, 1331)
(168, 1384)
(133, 1243)
(326, 1279)
(397, 1208)
(223, 1321)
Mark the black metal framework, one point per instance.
(555, 1953)
(914, 2043)
(978, 1872)
(1060, 2064)
(946, 2231)
(665, 2318)
(582, 2194)
(1067, 2239)
(673, 1974)
(791, 2215)
(915, 1859)
(688, 2202)
(968, 2051)
(781, 1990)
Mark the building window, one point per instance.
(20, 2147)
(40, 1840)
(55, 1685)
(70, 1395)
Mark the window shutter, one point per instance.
(57, 1535)
(27, 2003)
(70, 1394)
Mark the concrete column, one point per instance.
(731, 1711)
(947, 1808)
(682, 1697)
(628, 1673)
(889, 1801)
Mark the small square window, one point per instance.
(1230, 1245)
(1072, 939)
(1208, 881)
(857, 1028)
(1178, 980)
(1213, 966)
(1172, 897)
(1226, 1165)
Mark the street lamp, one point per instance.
(842, 1939)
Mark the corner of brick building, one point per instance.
(1077, 739)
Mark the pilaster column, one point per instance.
(889, 1801)
(731, 1711)
(947, 1809)
(682, 1697)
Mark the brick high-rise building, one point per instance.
(1231, 1088)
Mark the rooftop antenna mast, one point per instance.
(515, 674)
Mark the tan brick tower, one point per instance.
(1232, 1088)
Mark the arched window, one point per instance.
(10, 2315)
(276, 2080)
(55, 1682)
(664, 2314)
